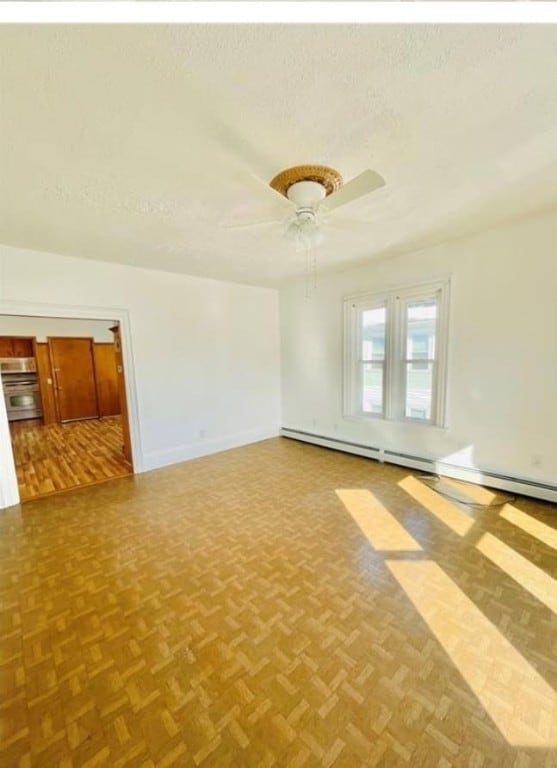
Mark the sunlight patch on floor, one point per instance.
(443, 509)
(527, 523)
(515, 696)
(469, 493)
(528, 575)
(379, 526)
(476, 493)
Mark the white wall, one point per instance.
(205, 353)
(502, 376)
(42, 327)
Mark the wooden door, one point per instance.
(107, 379)
(73, 370)
(127, 447)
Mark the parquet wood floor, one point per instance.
(275, 605)
(57, 457)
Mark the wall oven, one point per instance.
(22, 396)
(17, 365)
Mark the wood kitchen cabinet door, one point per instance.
(16, 346)
(22, 346)
(73, 370)
(6, 346)
(107, 379)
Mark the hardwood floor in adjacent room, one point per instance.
(279, 605)
(57, 457)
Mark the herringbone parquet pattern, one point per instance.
(232, 611)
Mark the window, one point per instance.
(395, 354)
(420, 344)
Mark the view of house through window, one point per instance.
(421, 322)
(394, 364)
(373, 358)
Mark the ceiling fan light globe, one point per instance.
(306, 193)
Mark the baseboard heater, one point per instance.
(519, 485)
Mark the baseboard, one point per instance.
(520, 485)
(179, 453)
(329, 442)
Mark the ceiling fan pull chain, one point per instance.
(311, 266)
(314, 266)
(306, 243)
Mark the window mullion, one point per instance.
(389, 358)
(391, 368)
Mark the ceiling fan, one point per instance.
(308, 191)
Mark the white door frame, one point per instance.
(9, 493)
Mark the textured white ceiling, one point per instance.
(134, 143)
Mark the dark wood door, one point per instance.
(127, 447)
(73, 371)
(107, 379)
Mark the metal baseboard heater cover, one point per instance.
(520, 485)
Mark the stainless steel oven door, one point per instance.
(23, 402)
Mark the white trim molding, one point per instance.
(9, 494)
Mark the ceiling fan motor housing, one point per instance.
(305, 215)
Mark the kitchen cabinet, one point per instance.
(106, 376)
(17, 346)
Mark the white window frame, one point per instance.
(395, 300)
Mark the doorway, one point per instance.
(81, 434)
